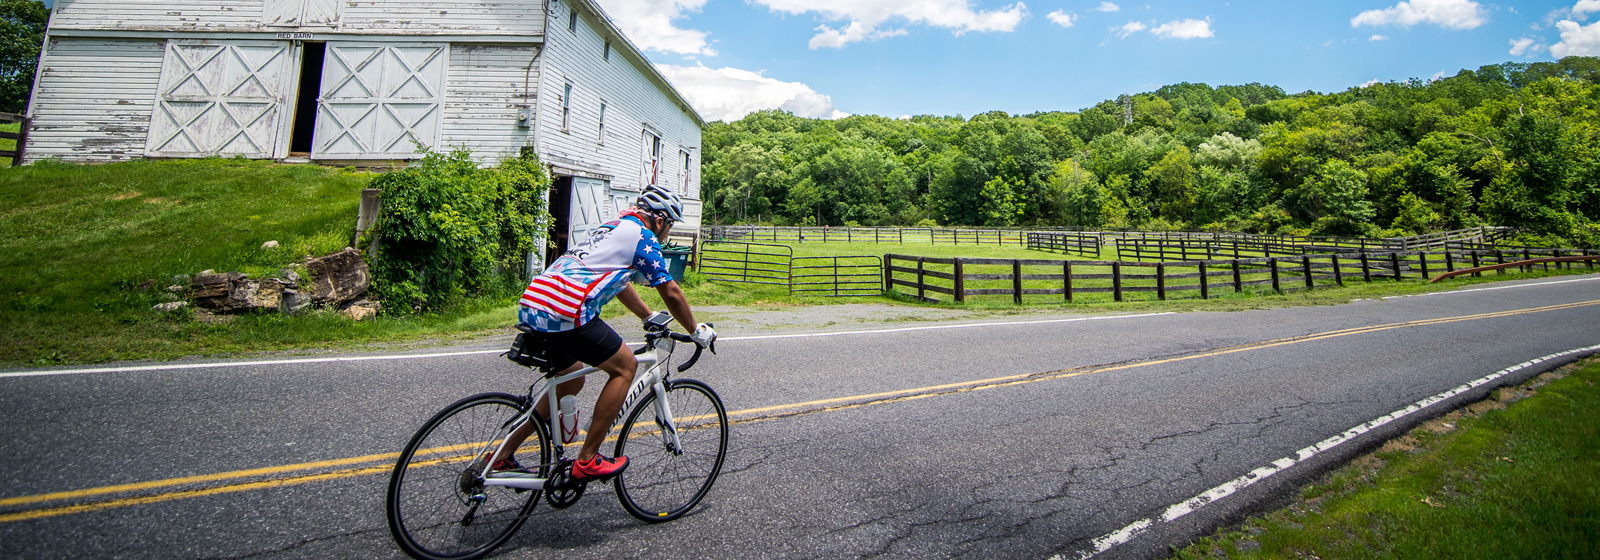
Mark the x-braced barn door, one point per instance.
(219, 99)
(380, 101)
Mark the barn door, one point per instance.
(587, 211)
(219, 99)
(379, 101)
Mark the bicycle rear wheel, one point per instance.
(437, 505)
(663, 483)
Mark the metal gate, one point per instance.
(751, 263)
(844, 276)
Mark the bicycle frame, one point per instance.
(653, 364)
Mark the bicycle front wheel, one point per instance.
(437, 505)
(665, 480)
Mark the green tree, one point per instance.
(22, 26)
(1336, 190)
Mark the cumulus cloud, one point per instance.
(1107, 7)
(649, 24)
(1370, 83)
(1378, 38)
(1525, 45)
(1064, 19)
(1583, 8)
(1452, 14)
(728, 94)
(1577, 39)
(1185, 29)
(864, 17)
(1131, 28)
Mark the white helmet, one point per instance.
(661, 200)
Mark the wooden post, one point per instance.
(1161, 281)
(366, 214)
(1305, 266)
(1066, 279)
(1394, 260)
(1527, 255)
(1274, 264)
(1366, 271)
(1205, 283)
(961, 283)
(1238, 279)
(1338, 273)
(919, 279)
(1475, 264)
(1557, 254)
(1500, 258)
(1422, 264)
(1449, 261)
(1116, 280)
(888, 278)
(1016, 281)
(1590, 261)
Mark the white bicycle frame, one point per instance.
(652, 362)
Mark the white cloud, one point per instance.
(1131, 28)
(1378, 38)
(1064, 19)
(648, 23)
(1186, 29)
(1107, 7)
(1370, 83)
(1583, 8)
(864, 17)
(728, 94)
(1577, 40)
(1453, 14)
(1525, 45)
(1436, 77)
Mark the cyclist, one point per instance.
(564, 302)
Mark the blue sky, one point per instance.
(905, 57)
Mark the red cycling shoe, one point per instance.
(598, 468)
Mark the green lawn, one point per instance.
(1487, 481)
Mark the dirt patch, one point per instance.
(125, 196)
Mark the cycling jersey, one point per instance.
(575, 287)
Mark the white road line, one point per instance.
(1175, 511)
(1530, 284)
(206, 365)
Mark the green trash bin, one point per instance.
(677, 260)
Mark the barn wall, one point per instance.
(633, 101)
(486, 86)
(94, 99)
(389, 17)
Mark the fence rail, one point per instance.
(21, 137)
(749, 263)
(1077, 242)
(842, 276)
(1275, 244)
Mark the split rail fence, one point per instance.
(961, 278)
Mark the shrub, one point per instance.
(449, 229)
(927, 222)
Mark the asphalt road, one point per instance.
(1030, 439)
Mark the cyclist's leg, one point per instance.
(519, 435)
(620, 367)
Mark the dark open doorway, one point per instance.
(560, 209)
(305, 105)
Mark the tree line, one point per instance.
(1509, 144)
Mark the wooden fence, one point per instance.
(1145, 241)
(906, 235)
(960, 278)
(21, 137)
(1081, 243)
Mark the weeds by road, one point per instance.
(1514, 476)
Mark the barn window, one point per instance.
(607, 56)
(572, 21)
(566, 109)
(652, 158)
(601, 136)
(684, 184)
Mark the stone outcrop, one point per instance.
(361, 310)
(234, 292)
(339, 278)
(339, 281)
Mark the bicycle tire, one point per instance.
(661, 485)
(428, 499)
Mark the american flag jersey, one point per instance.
(575, 287)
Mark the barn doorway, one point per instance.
(561, 226)
(305, 105)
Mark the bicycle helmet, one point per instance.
(661, 200)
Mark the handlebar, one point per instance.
(697, 349)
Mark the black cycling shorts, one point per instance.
(592, 343)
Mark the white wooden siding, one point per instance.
(389, 17)
(94, 99)
(380, 100)
(487, 84)
(633, 102)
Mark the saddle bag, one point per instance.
(530, 349)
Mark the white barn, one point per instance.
(365, 82)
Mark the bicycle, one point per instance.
(445, 502)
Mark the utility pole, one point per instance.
(1127, 109)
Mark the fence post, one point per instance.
(1366, 271)
(1394, 260)
(961, 284)
(1116, 280)
(1016, 280)
(1338, 273)
(1161, 281)
(1527, 255)
(1205, 283)
(888, 279)
(920, 291)
(1238, 279)
(1066, 279)
(1500, 258)
(1422, 264)
(1449, 261)
(1305, 267)
(1475, 264)
(1590, 261)
(1272, 262)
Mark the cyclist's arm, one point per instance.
(631, 300)
(676, 303)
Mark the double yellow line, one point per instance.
(289, 475)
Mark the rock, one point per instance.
(169, 307)
(234, 292)
(177, 289)
(361, 310)
(338, 278)
(289, 275)
(181, 279)
(207, 271)
(211, 290)
(293, 302)
(270, 245)
(169, 297)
